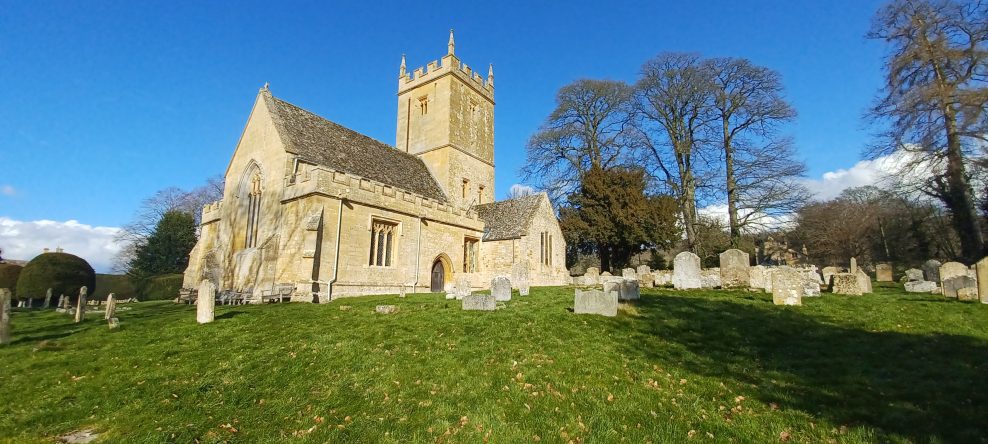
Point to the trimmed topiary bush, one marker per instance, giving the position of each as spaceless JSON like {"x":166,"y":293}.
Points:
{"x":62,"y":272}
{"x":161,"y":288}
{"x":8,"y":276}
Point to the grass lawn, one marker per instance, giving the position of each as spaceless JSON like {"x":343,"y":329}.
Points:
{"x":704,"y":366}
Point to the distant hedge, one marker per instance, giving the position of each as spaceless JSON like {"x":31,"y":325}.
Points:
{"x":158,"y":288}
{"x":121,"y":286}
{"x":64,"y":273}
{"x":8,"y":276}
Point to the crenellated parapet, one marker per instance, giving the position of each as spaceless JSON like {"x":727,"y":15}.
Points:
{"x":211,"y":212}
{"x":450,"y":64}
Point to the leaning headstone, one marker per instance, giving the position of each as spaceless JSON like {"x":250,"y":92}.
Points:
{"x":845,"y":283}
{"x":883,"y":273}
{"x":735,"y":269}
{"x":854,"y":265}
{"x":111,"y":307}
{"x":206,"y":302}
{"x":686,"y":271}
{"x":952,"y":269}
{"x":47,"y":299}
{"x":66,"y":303}
{"x":629,"y":290}
{"x":757,"y":276}
{"x":920,"y":286}
{"x":914,"y":274}
{"x":386,"y":309}
{"x":647,"y":280}
{"x":5,"y":297}
{"x":501,"y":289}
{"x":787,"y":286}
{"x":931,"y":269}
{"x":952,"y":285}
{"x":864,"y":282}
{"x":595,"y":302}
{"x":981,"y":268}
{"x":811,"y":283}
{"x":61,"y":303}
{"x":629,"y":273}
{"x":967,"y":294}
{"x":480,"y":302}
{"x":519,"y":278}
{"x":80,"y":308}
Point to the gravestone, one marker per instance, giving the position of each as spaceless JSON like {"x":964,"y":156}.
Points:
{"x":47,"y":299}
{"x":595,"y":302}
{"x":5,"y":297}
{"x":967,"y":294}
{"x":67,"y":303}
{"x":854,"y":265}
{"x":952,"y":269}
{"x":827,"y":273}
{"x":757,"y":276}
{"x":663,"y":277}
{"x":643,"y":270}
{"x":80,"y":308}
{"x":111,"y":307}
{"x":883,"y":273}
{"x":647,"y":280}
{"x":401,"y":291}
{"x":864,"y":281}
{"x":787,"y":286}
{"x":952,"y":284}
{"x":931,"y":269}
{"x":686,"y":271}
{"x":735,"y":269}
{"x":61,"y":303}
{"x":710,"y":278}
{"x":206,"y":302}
{"x":113,"y":323}
{"x":462,"y":288}
{"x":479,"y":302}
{"x":629,"y":290}
{"x":914,"y":274}
{"x":386,"y":309}
{"x":629,"y":273}
{"x":501,"y":289}
{"x":612,"y":288}
{"x":811,"y":283}
{"x":592,"y":276}
{"x":519,"y":277}
{"x":981,"y":268}
{"x":920,"y":286}
{"x":846,"y":284}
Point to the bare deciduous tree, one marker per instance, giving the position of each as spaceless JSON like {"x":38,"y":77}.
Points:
{"x":935,"y":97}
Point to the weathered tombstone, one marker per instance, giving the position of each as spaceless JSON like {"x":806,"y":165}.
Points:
{"x":612,"y":288}
{"x":920,"y":286}
{"x":605,"y":274}
{"x":386,"y":309}
{"x":47,"y":299}
{"x":592,"y":275}
{"x":931,"y":269}
{"x":80,"y":308}
{"x":480,"y":302}
{"x":462,"y":289}
{"x":981,"y":268}
{"x":61,"y":303}
{"x":5,"y":297}
{"x":845,"y":283}
{"x":501,"y":288}
{"x":914,"y":274}
{"x":629,"y":273}
{"x":952,"y":269}
{"x":854,"y":265}
{"x":967,"y":294}
{"x":663,"y":277}
{"x":519,"y":277}
{"x":401,"y":291}
{"x":710,"y":278}
{"x":828,"y":272}
{"x":787,"y":286}
{"x":111,"y":307}
{"x":883,"y":273}
{"x":686,"y":271}
{"x":647,"y":280}
{"x":757,"y":276}
{"x":864,"y":281}
{"x":595,"y":302}
{"x":952,"y":284}
{"x":629,"y":290}
{"x":206,"y":302}
{"x":113,"y":323}
{"x":66,"y":303}
{"x":643,"y":270}
{"x":811,"y":283}
{"x":735,"y":269}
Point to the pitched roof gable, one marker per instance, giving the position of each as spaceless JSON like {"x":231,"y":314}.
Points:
{"x":317,"y":140}
{"x":509,"y":219}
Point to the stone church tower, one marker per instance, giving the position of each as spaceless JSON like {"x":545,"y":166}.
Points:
{"x":446,"y":118}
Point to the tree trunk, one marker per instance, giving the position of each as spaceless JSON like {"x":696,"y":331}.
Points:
{"x":732,"y":198}
{"x":604,"y":253}
{"x":960,"y":200}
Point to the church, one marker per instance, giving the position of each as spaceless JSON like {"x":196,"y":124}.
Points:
{"x":314,"y":211}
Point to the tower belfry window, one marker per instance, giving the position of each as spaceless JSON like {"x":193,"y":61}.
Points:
{"x":424,"y":104}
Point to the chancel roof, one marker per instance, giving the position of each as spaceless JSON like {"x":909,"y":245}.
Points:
{"x":508,"y":219}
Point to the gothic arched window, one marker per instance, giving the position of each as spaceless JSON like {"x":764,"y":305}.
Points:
{"x":250,"y":189}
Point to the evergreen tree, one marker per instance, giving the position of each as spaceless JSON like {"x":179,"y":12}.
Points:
{"x":166,"y":250}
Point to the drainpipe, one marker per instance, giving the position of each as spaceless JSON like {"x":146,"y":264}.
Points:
{"x":336,"y":257}
{"x":418,"y":258}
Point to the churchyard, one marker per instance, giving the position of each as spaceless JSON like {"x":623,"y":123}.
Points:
{"x":672,"y":366}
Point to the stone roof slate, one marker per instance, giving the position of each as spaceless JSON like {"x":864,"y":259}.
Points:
{"x":508,"y":219}
{"x":321,"y":142}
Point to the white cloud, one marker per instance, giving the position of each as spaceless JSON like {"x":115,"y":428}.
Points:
{"x":865,"y":172}
{"x":7,"y":190}
{"x":518,"y":190}
{"x":23,"y":240}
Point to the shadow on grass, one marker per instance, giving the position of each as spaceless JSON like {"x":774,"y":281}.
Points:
{"x":229,"y":314}
{"x":920,"y":387}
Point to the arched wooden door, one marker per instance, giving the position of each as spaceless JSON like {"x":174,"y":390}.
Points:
{"x":438,"y":276}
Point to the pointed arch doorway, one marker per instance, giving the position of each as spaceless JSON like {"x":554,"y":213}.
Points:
{"x":438,"y":276}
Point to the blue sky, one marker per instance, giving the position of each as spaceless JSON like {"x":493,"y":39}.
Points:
{"x":103,"y":103}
